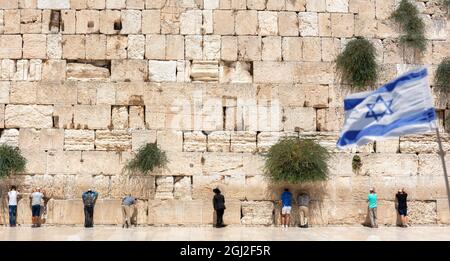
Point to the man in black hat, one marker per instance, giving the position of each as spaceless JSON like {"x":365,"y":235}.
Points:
{"x":219,"y":207}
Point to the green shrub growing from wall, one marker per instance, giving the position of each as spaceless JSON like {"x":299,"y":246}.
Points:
{"x":297,"y":160}
{"x":11,"y":161}
{"x":412,"y":25}
{"x":442,"y":77}
{"x":357,"y":64}
{"x":147,"y":158}
{"x":356,"y":163}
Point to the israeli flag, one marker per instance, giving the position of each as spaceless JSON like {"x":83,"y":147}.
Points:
{"x":402,"y":106}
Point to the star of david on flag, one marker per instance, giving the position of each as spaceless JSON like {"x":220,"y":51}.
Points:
{"x":401,"y":107}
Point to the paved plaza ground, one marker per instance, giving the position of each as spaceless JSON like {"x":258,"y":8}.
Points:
{"x":230,"y":233}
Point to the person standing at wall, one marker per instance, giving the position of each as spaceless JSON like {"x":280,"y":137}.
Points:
{"x":219,"y":207}
{"x":402,"y":206}
{"x":372,"y":199}
{"x":89,"y":198}
{"x":286,"y":207}
{"x":303,"y":208}
{"x":12,"y":205}
{"x":36,"y":201}
{"x":128,"y":208}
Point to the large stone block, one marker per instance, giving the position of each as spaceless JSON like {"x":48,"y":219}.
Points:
{"x":53,"y":4}
{"x":129,"y":70}
{"x":10,"y":137}
{"x":54,"y":70}
{"x":231,"y":186}
{"x":246,"y":22}
{"x":79,"y":140}
{"x":249,"y":48}
{"x":96,"y":47}
{"x":243,"y":141}
{"x":109,"y":21}
{"x":257,"y":213}
{"x":151,"y":22}
{"x":330,"y":119}
{"x":309,"y":24}
{"x":55,"y":93}
{"x":23,"y":92}
{"x":88,"y":21}
{"x":131,"y":21}
{"x":162,"y":71}
{"x":194,"y":141}
{"x":268,"y":23}
{"x":64,"y":162}
{"x":426,"y":143}
{"x":5,"y":87}
{"x":288,"y":24}
{"x":11,"y":46}
{"x":219,"y":141}
{"x":28,"y":116}
{"x":116,"y":47}
{"x":31,"y":21}
{"x":222,"y":163}
{"x":299,"y":118}
{"x":399,"y":164}
{"x":273,"y":72}
{"x":183,"y":164}
{"x":182,"y":188}
{"x":271,"y":48}
{"x":155,"y":46}
{"x":74,"y":46}
{"x":223,"y":22}
{"x":92,"y":117}
{"x":115,"y":140}
{"x":112,"y":162}
{"x":11,"y":20}
{"x":191,"y":22}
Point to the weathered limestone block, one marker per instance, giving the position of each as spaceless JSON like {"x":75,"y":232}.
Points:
{"x":222,"y":163}
{"x":119,"y":140}
{"x":74,"y":46}
{"x":337,"y":6}
{"x":43,"y":140}
{"x":219,"y":141}
{"x":235,"y":72}
{"x":387,"y":146}
{"x":343,"y":25}
{"x":53,"y":4}
{"x":151,"y":22}
{"x":249,"y":48}
{"x":273,"y":72}
{"x":88,"y":22}
{"x":183,"y":164}
{"x":311,"y":49}
{"x":422,"y":212}
{"x":296,"y":5}
{"x":112,"y":162}
{"x":64,"y":162}
{"x":116,"y":47}
{"x":5,"y":87}
{"x":9,"y":4}
{"x":308,"y":24}
{"x":229,"y":48}
{"x":119,"y":117}
{"x":182,"y":188}
{"x":299,"y":118}
{"x":316,"y":96}
{"x":246,"y":22}
{"x":140,"y":138}
{"x":193,"y":50}
{"x":28,"y":116}
{"x":232,"y":186}
{"x":79,"y":140}
{"x":243,"y":141}
{"x":330,"y":119}
{"x":95,"y":4}
{"x":11,"y":21}
{"x":136,"y":118}
{"x":194,"y":141}
{"x":108,"y":212}
{"x":211,"y":47}
{"x":162,"y":71}
{"x":11,"y":46}
{"x":129,"y":70}
{"x":288,"y":24}
{"x":30,"y":21}
{"x":257,"y":187}
{"x":223,"y":22}
{"x":266,"y":139}
{"x":139,"y":186}
{"x":67,"y":212}
{"x":92,"y":117}
{"x":23,"y":92}
{"x":10,"y":137}
{"x":204,"y":71}
{"x":106,"y":93}
{"x":207,"y":25}
{"x":400,"y":164}
{"x":292,"y":48}
{"x":430,"y":165}
{"x":271,"y":48}
{"x":426,"y":143}
{"x":131,"y":21}
{"x":109,"y":22}
{"x":324,"y":24}
{"x":96,"y":47}
{"x":174,"y":47}
{"x":79,"y":71}
{"x":268,"y":23}
{"x":130,"y":93}
{"x":170,"y":140}
{"x":155,"y":47}
{"x":314,"y":72}
{"x":69,"y":21}
{"x":165,"y":211}
{"x":164,"y":187}
{"x":191,"y":22}
{"x":257,"y":213}
{"x":442,"y":210}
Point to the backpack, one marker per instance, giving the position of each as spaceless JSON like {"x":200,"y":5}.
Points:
{"x":89,"y":199}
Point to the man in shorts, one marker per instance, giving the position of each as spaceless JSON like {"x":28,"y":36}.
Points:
{"x":286,"y":206}
{"x":36,"y":201}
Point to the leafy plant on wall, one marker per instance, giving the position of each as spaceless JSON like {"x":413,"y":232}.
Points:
{"x":147,"y":158}
{"x":442,"y":76}
{"x":11,"y":161}
{"x":357,"y":63}
{"x":297,"y":160}
{"x":407,"y":15}
{"x":356,"y":164}
{"x":446,"y":3}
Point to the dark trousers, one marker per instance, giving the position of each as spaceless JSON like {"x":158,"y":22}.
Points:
{"x":88,"y":216}
{"x":219,"y":213}
{"x":12,"y":215}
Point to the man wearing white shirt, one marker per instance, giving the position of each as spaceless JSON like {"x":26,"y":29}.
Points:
{"x":12,"y":204}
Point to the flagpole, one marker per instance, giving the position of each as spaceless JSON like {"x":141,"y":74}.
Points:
{"x":441,"y":153}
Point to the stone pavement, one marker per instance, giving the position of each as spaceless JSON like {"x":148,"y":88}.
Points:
{"x":230,"y":233}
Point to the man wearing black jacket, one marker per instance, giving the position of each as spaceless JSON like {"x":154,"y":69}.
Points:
{"x":219,"y":207}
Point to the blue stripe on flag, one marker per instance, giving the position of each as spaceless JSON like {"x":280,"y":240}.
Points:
{"x":389,"y":87}
{"x":352,"y":137}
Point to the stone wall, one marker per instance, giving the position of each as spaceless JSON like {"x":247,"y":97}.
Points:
{"x":85,"y":83}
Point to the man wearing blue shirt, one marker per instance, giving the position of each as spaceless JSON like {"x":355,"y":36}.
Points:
{"x":89,"y":198}
{"x":286,"y":206}
{"x":372,"y":199}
